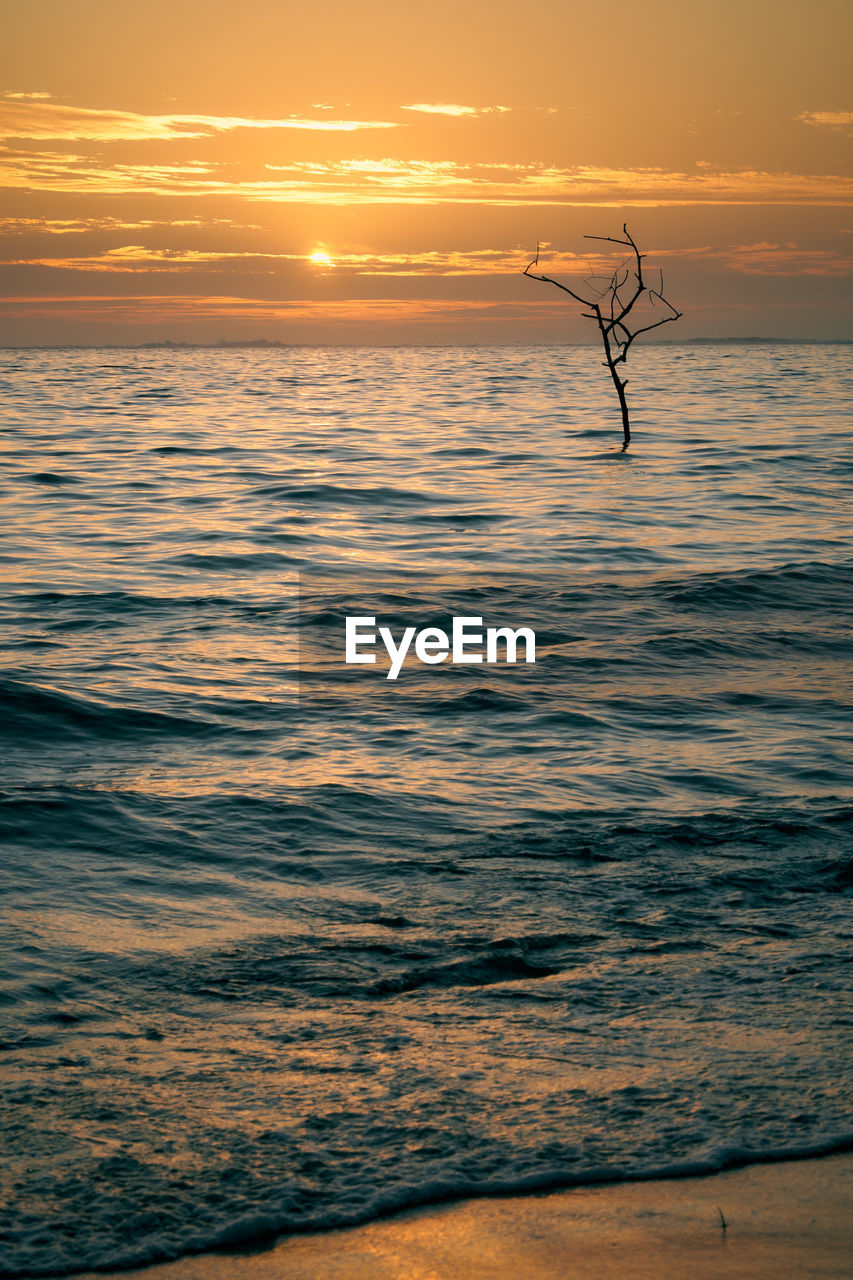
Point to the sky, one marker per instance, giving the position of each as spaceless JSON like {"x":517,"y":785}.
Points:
{"x":357,"y":172}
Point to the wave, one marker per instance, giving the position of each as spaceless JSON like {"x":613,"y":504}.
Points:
{"x":800,"y":587}
{"x":173,"y":1228}
{"x":552,"y":592}
{"x":39,"y":713}
{"x":336,"y":495}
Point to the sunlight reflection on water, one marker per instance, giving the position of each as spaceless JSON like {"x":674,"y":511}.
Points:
{"x":290,"y":944}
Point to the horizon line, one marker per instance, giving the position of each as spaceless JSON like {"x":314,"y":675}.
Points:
{"x":278,"y":343}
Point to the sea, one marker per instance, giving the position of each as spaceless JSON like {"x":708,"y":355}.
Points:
{"x":288,"y":944}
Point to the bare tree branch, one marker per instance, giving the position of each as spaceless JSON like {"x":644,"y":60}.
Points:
{"x":616,"y":336}
{"x":556,"y":283}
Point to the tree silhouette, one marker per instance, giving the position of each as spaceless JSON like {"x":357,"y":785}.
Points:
{"x":610,"y":309}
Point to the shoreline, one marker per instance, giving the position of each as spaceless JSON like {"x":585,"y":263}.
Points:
{"x":788,"y":1218}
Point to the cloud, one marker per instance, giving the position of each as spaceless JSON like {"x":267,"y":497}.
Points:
{"x":432,"y":262}
{"x":762,"y":258}
{"x":66,"y":226}
{"x":767,"y":259}
{"x":134,"y":258}
{"x":29,"y":116}
{"x":386,"y":174}
{"x":452,"y":109}
{"x":754,"y":259}
{"x":392,"y":181}
{"x":441,"y":182}
{"x":80,"y":174}
{"x":459,"y":262}
{"x":159,"y":309}
{"x":80,"y":226}
{"x":827,"y":119}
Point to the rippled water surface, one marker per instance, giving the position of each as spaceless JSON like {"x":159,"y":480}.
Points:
{"x":288,"y":943}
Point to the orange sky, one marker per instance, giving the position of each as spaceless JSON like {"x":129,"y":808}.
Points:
{"x":351,"y":172}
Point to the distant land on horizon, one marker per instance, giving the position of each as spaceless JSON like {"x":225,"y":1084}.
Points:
{"x":169,"y":344}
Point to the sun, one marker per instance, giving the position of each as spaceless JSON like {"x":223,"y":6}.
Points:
{"x":320,"y":258}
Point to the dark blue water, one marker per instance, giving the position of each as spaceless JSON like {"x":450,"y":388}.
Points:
{"x":286,"y":943}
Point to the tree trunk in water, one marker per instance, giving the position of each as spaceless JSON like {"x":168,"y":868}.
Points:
{"x":623,"y":404}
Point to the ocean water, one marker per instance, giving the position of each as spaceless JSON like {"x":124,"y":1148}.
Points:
{"x":288,"y":944}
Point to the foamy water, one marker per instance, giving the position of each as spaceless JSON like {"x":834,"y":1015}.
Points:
{"x":289,"y":944}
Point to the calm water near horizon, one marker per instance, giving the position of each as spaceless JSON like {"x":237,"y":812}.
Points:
{"x":287,"y":944}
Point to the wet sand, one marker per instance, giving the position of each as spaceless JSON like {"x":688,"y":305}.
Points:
{"x":789,"y":1220}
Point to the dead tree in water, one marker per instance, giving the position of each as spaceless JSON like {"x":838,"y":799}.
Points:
{"x":610,"y":309}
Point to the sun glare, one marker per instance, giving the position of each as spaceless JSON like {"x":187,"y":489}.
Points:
{"x":320,"y":257}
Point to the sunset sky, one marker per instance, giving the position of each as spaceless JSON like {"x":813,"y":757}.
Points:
{"x":357,"y":172}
